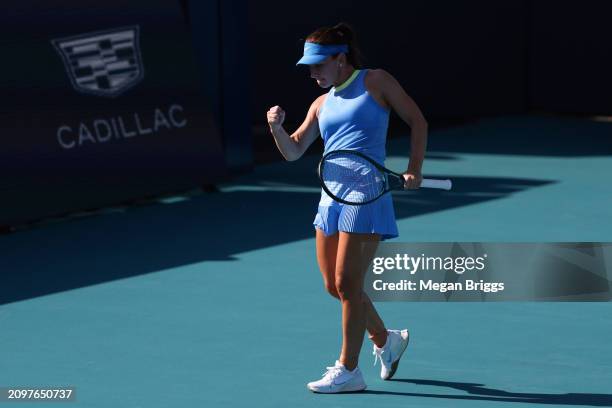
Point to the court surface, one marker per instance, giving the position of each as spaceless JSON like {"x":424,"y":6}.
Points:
{"x":215,"y":299}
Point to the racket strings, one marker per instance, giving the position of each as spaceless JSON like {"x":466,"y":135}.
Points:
{"x":352,"y":178}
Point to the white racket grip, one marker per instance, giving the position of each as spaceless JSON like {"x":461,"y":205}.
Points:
{"x":433,"y":183}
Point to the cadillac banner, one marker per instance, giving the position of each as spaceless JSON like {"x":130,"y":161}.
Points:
{"x":102,"y":103}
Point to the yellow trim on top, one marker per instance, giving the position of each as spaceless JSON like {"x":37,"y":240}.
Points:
{"x":348,"y":81}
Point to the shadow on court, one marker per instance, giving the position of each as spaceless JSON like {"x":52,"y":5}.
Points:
{"x":480,"y":393}
{"x":260,"y":213}
{"x":273,"y":205}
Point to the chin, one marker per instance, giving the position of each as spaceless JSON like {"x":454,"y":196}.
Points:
{"x":323,"y":84}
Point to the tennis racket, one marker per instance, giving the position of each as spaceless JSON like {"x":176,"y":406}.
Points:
{"x":351,"y":177}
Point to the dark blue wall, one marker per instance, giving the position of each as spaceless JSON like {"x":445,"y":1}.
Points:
{"x":219,"y":30}
{"x":456,"y":59}
{"x":571,"y":57}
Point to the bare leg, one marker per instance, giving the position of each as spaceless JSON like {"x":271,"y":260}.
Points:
{"x":351,"y":265}
{"x":377,"y":332}
{"x":327,"y":249}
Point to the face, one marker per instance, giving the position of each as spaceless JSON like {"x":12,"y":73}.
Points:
{"x":326,"y":72}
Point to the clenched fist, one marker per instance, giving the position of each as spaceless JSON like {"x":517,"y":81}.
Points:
{"x":276,"y":117}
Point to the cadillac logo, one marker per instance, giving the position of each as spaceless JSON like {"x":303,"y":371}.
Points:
{"x":104,"y":63}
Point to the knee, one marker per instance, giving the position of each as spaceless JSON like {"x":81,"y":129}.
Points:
{"x":330,"y":287}
{"x":348,"y":289}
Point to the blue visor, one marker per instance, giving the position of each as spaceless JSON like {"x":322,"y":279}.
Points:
{"x":316,"y":53}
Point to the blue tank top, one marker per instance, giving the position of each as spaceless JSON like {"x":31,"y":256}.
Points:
{"x":351,"y":119}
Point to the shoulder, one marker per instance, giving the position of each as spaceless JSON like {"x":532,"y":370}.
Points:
{"x":378,"y":79}
{"x":316,"y":105}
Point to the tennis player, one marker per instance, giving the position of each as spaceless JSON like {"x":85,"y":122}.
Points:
{"x":353,"y":115}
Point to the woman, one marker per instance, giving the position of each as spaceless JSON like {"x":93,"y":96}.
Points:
{"x":354,"y":114}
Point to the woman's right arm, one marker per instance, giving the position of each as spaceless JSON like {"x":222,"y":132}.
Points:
{"x":293,"y":147}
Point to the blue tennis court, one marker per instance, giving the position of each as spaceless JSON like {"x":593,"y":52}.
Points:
{"x":215,"y":299}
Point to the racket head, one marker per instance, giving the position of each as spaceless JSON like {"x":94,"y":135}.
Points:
{"x":350,"y":177}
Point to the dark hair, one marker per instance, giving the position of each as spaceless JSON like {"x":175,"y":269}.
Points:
{"x":341,"y":33}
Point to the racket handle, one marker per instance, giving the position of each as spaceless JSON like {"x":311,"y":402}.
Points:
{"x":433,"y":183}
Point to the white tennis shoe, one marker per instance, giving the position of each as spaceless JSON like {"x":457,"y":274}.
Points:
{"x":390,"y":354}
{"x":338,"y":379}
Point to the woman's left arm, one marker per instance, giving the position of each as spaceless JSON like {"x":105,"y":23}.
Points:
{"x":395,"y":96}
